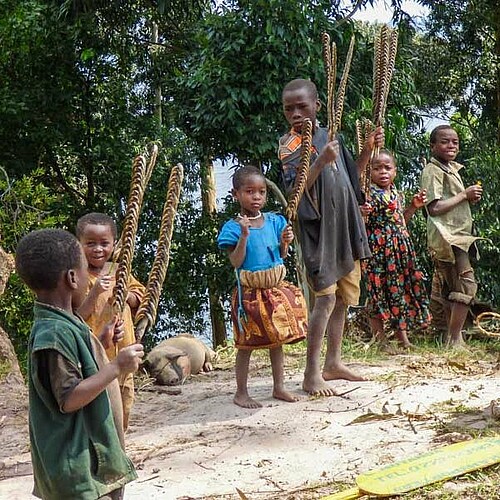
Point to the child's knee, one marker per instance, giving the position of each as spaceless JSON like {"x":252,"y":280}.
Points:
{"x":467,"y":288}
{"x":325,"y":302}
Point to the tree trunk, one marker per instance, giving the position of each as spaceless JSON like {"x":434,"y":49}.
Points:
{"x":157,"y":89}
{"x":208,"y":200}
{"x":9,"y":365}
{"x":496,"y":26}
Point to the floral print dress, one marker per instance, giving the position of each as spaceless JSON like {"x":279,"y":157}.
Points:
{"x":395,"y":287}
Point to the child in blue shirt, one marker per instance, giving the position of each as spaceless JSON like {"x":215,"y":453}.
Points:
{"x":267,"y":311}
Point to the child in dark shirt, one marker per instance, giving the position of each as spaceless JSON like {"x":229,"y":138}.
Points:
{"x":331,"y":228}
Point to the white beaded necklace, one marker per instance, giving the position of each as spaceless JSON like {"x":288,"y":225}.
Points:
{"x":258,"y":216}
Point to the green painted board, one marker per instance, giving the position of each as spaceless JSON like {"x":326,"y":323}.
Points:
{"x":436,"y":465}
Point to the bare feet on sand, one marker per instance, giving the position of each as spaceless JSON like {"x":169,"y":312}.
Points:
{"x":316,"y":386}
{"x":246,"y":401}
{"x":341,"y":372}
{"x":285,"y":396}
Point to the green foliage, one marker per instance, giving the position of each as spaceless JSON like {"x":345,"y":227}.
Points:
{"x":230,"y":89}
{"x":26,"y":204}
{"x":458,"y":59}
{"x":78,"y":100}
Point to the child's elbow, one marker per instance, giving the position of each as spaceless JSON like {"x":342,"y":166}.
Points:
{"x":433,"y":208}
{"x":69,"y":407}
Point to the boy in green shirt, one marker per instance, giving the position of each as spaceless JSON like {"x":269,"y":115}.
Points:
{"x":76,"y":440}
{"x":449,"y":227}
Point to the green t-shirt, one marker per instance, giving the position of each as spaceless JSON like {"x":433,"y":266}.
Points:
{"x":75,"y":455}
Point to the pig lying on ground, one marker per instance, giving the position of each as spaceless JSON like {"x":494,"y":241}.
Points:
{"x":175,"y":358}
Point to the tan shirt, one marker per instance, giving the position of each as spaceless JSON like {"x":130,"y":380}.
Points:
{"x":453,"y":228}
{"x":103,"y":313}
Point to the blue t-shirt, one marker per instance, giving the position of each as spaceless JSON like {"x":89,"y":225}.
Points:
{"x":263,"y":243}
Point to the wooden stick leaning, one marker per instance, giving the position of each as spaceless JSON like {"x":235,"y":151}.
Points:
{"x":146,"y":314}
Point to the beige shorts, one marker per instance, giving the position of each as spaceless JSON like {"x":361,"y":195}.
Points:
{"x":347,"y":287}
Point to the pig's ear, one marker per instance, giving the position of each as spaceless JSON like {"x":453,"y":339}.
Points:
{"x":174,"y":356}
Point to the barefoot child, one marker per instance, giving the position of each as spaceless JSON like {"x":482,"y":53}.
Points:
{"x":266,"y":310}
{"x":97,"y":234}
{"x":71,"y":396}
{"x":449,"y":227}
{"x":396,"y":292}
{"x":332,"y":231}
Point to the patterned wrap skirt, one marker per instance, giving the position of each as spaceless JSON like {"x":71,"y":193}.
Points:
{"x":271,"y":311}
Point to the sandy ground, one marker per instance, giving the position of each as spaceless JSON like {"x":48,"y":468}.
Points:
{"x":199,"y":445}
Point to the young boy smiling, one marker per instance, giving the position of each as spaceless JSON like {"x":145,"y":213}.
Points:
{"x":97,"y":233}
{"x":449,"y":227}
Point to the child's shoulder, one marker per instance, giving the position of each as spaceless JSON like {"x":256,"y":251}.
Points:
{"x":231,"y":224}
{"x":273,"y":216}
{"x":58,"y":332}
{"x":275,"y":219}
{"x":229,"y":234}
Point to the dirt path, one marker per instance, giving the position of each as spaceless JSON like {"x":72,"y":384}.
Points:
{"x":199,"y":445}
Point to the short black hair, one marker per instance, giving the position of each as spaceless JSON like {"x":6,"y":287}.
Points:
{"x":388,"y":152}
{"x":96,"y":219}
{"x":243,"y":173}
{"x":301,"y":83}
{"x":43,"y":255}
{"x":436,"y":130}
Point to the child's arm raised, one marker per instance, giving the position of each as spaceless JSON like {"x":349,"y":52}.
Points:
{"x":112,"y":333}
{"x":327,"y":156}
{"x":375,"y":139}
{"x":418,"y":201}
{"x":133,"y":300}
{"x":439,"y":207}
{"x":102,"y":284}
{"x":238,"y":253}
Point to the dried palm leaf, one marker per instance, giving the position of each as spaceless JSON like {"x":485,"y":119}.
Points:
{"x":152,"y":157}
{"x":137,"y":187}
{"x":302,"y":171}
{"x":339,"y":106}
{"x":146,"y":314}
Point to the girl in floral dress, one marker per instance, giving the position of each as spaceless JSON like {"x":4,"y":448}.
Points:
{"x":396,"y":292}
